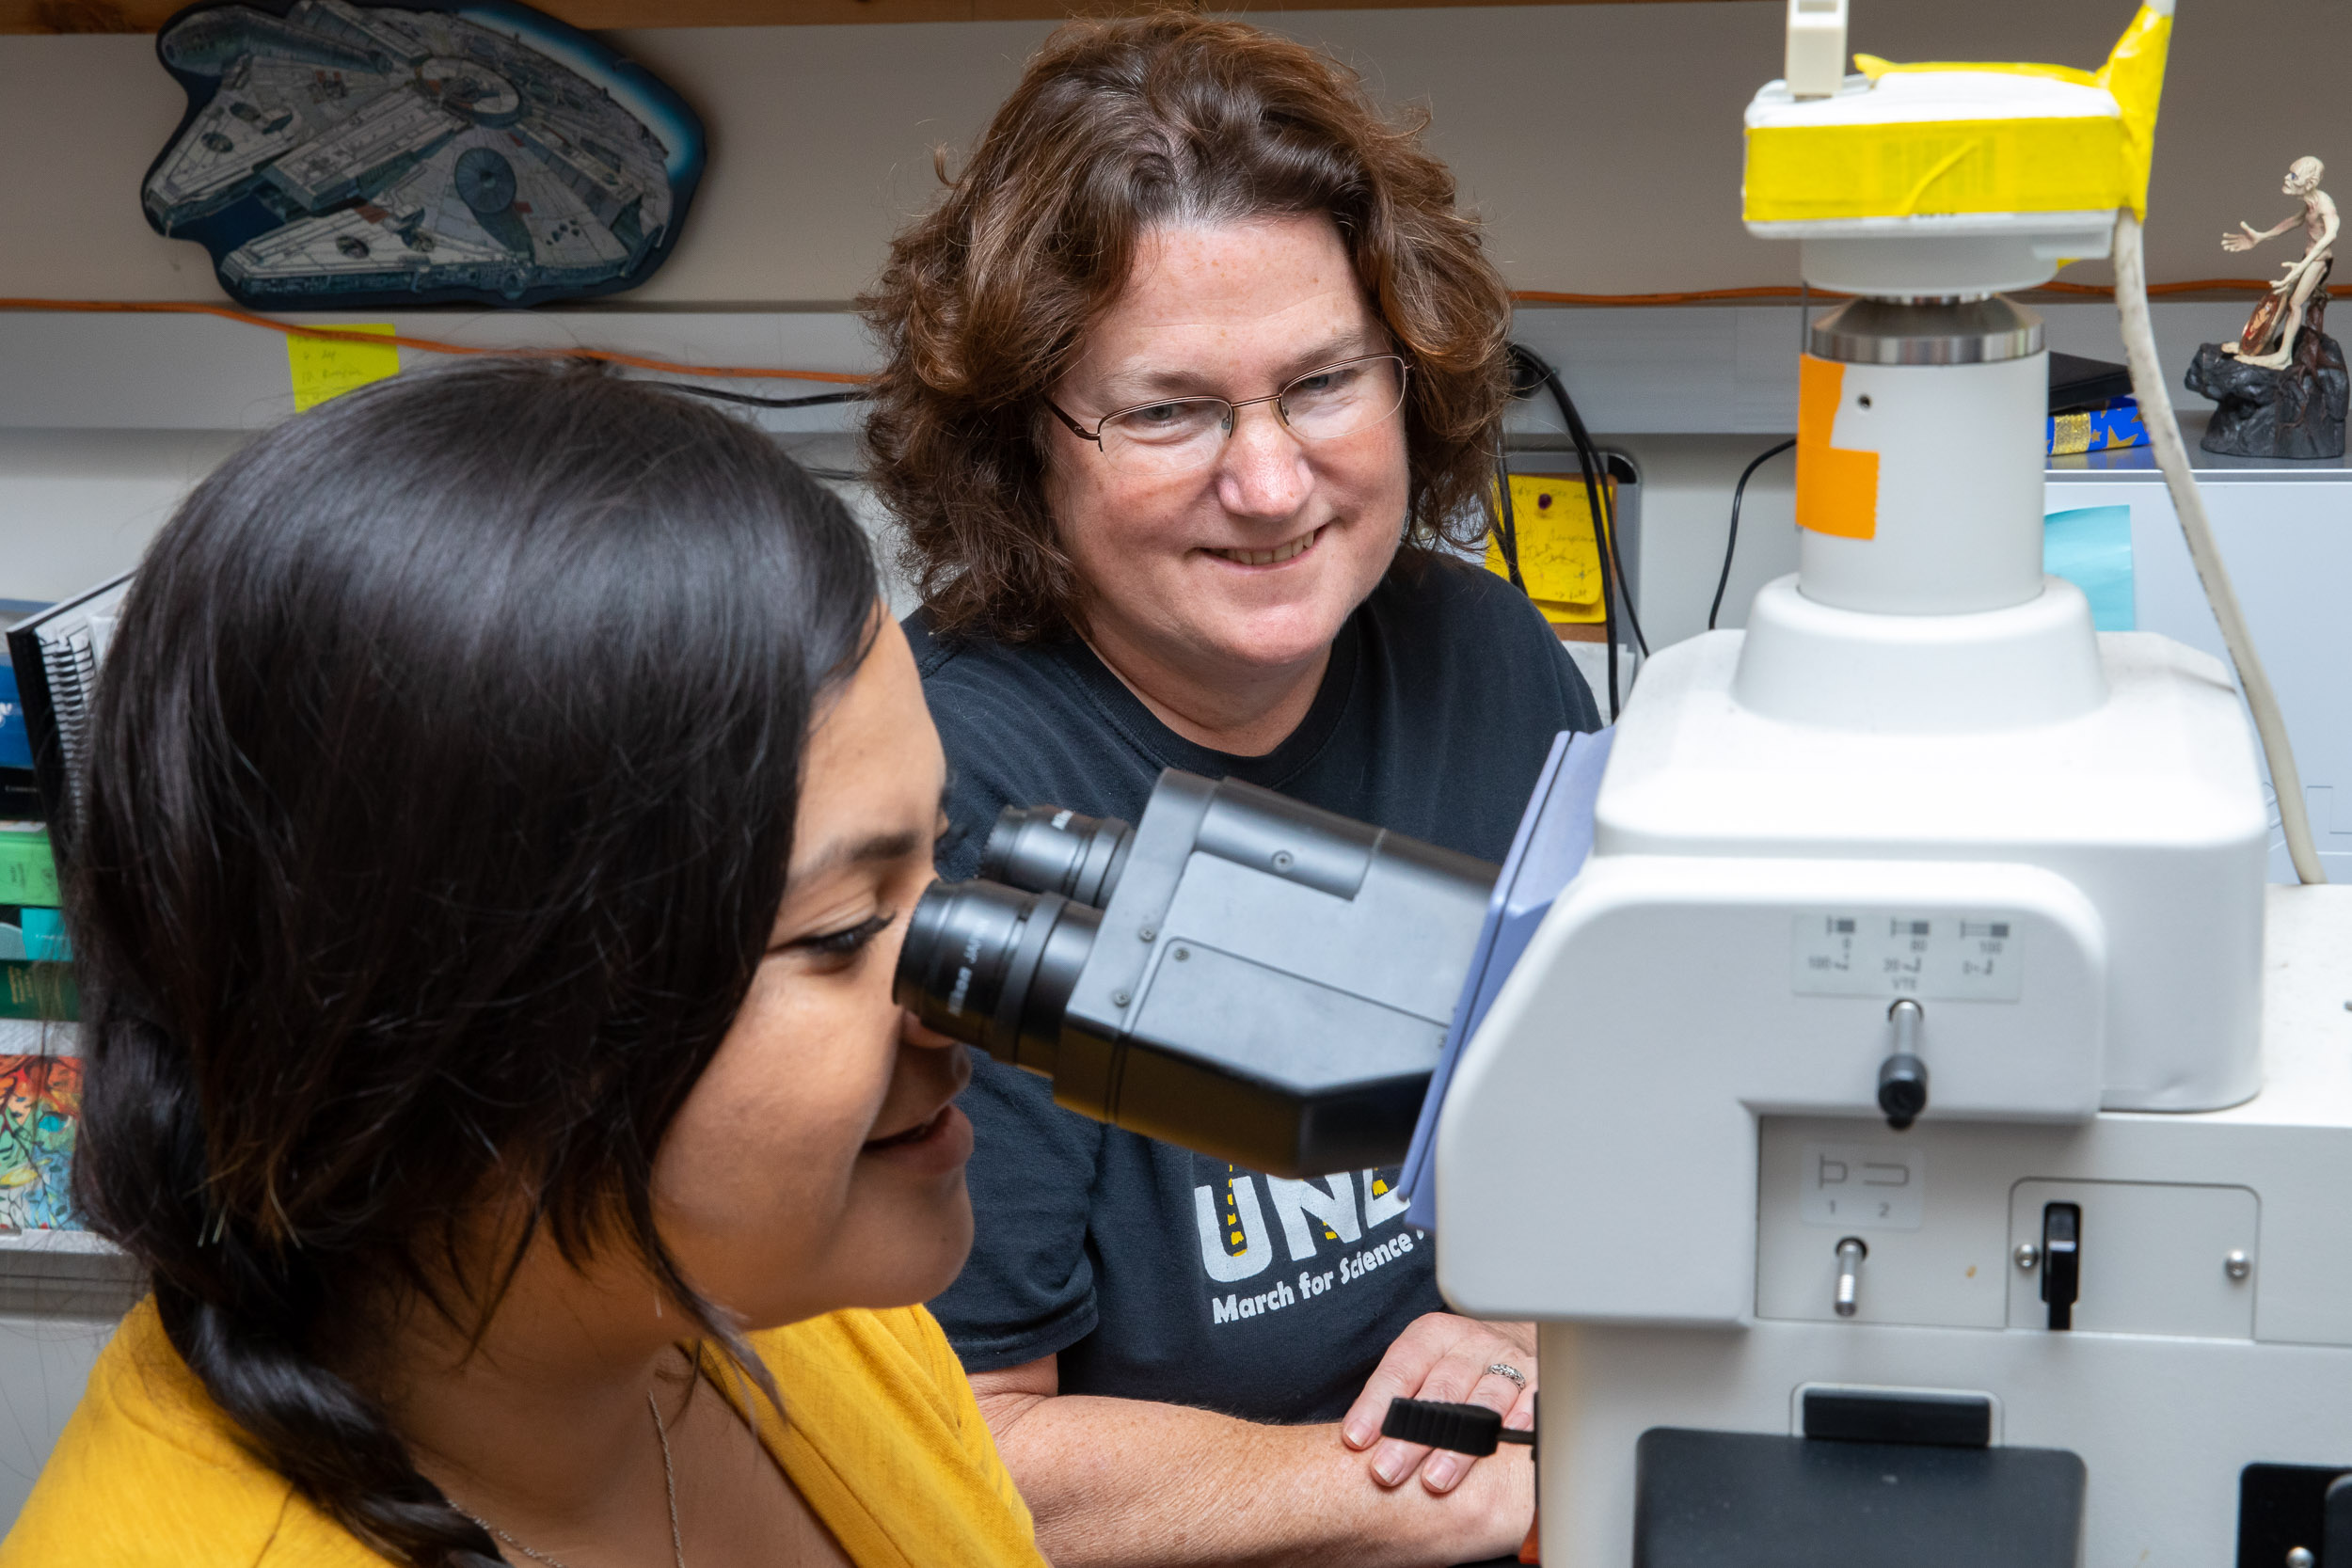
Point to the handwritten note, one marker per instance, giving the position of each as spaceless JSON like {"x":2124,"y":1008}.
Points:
{"x":329,"y":367}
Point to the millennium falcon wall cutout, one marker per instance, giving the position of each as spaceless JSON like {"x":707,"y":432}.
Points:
{"x":337,"y":154}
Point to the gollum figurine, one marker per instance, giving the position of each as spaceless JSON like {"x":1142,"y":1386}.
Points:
{"x":2282,"y":309}
{"x":2281,"y":391}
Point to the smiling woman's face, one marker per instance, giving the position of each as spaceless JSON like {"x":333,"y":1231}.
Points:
{"x":1255,"y":560}
{"x":818,"y":1162}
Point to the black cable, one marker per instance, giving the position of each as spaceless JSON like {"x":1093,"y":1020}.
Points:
{"x":1537,"y":371}
{"x":1506,"y":518}
{"x":1600,"y":497}
{"x":1526,"y":376}
{"x":754,"y":401}
{"x":1589,"y":460}
{"x":1507,"y":539}
{"x":1731,"y":541}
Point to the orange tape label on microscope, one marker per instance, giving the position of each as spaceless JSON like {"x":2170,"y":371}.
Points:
{"x":1837,"y":489}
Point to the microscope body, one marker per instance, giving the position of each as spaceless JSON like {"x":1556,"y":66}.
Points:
{"x":1920,"y":826}
{"x":1667,"y":1124}
{"x":1884,"y":1073}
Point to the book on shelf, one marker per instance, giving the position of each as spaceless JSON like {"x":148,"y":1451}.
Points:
{"x":40,"y":1112}
{"x":35,"y":932}
{"x":2107,"y":426}
{"x":2091,"y":406}
{"x":20,"y":788}
{"x":28,"y":871}
{"x":30,"y":989}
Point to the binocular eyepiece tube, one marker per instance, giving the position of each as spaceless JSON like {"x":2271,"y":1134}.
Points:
{"x":1239,"y":974}
{"x":1047,"y":849}
{"x":994,"y":966}
{"x":992,"y":961}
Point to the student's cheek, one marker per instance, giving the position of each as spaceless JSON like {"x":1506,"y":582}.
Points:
{"x":824,"y":1077}
{"x":760,"y":1153}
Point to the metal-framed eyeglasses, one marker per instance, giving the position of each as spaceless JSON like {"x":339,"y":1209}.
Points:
{"x":1173,"y":434}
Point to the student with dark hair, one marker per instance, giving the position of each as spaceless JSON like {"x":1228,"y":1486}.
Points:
{"x":1194,"y":381}
{"x":503,"y":805}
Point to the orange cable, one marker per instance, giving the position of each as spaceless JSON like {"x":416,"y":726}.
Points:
{"x":2157,"y":291}
{"x":428,"y":346}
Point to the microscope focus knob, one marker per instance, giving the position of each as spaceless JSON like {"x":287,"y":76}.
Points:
{"x":1904,"y":1077}
{"x":1902,"y":1090}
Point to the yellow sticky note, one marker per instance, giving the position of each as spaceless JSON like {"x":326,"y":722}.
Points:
{"x":1559,"y":558}
{"x":329,"y":367}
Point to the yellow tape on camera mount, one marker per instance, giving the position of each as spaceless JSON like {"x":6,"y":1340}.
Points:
{"x":2023,"y":150}
{"x":1827,"y":172}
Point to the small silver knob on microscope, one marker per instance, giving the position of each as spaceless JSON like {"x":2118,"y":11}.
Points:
{"x":1850,"y":1252}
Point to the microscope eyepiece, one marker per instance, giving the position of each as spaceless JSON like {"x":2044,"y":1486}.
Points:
{"x":992,"y":966}
{"x":1240,"y":974}
{"x":1047,"y":849}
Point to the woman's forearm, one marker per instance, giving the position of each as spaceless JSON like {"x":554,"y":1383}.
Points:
{"x":1130,"y":1483}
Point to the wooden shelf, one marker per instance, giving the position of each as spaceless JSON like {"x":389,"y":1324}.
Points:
{"x":145,"y":16}
{"x":56,"y":1242}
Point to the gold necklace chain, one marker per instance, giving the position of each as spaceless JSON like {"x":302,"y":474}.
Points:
{"x":669,"y":1484}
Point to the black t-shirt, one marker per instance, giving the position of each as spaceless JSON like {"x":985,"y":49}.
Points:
{"x":1154,"y":1273}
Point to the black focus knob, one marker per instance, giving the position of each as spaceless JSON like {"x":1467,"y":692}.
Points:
{"x":1904,"y":1077}
{"x":1902,"y":1089}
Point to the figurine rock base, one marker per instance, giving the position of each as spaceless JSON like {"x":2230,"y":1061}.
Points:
{"x":2296,"y":411}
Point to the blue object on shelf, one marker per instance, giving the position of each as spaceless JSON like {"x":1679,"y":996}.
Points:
{"x":44,"y":935}
{"x":2098,"y":427}
{"x":2090,"y":547}
{"x":16,"y":742}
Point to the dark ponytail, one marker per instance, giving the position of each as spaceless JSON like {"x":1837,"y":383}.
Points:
{"x":439,"y":795}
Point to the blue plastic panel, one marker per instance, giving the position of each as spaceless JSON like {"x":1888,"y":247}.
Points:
{"x":1553,"y":838}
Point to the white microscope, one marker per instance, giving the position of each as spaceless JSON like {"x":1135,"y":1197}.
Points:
{"x":1880,"y":1066}
{"x":1919,"y":1133}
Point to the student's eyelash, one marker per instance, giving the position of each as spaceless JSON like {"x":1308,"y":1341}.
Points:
{"x":848,"y":941}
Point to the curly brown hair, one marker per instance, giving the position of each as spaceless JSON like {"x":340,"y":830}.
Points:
{"x":1116,"y":127}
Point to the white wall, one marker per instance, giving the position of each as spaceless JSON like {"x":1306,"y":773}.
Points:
{"x":1600,"y":141}
{"x":104,"y":419}
{"x":77,"y":507}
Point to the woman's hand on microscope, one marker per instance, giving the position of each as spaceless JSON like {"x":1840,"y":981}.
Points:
{"x":1449,"y":1358}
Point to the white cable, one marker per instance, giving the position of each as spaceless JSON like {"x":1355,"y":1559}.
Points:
{"x":2164,"y":433}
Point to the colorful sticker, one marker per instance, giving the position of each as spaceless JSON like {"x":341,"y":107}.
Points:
{"x":39,"y":1112}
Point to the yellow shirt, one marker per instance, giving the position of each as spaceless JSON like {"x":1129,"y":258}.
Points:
{"x":884,"y":1442}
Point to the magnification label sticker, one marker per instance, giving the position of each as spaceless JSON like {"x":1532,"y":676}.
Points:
{"x":1954,"y":957}
{"x":1863,"y":1186}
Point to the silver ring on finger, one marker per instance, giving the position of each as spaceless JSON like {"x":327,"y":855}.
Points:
{"x":1504,"y":1369}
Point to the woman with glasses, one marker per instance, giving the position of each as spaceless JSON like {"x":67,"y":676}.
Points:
{"x":1194,"y":381}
